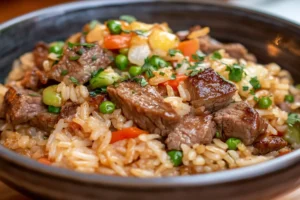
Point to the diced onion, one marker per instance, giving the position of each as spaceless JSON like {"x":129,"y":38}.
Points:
{"x":138,"y":54}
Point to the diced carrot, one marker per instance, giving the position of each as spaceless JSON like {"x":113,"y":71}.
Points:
{"x":174,"y":83}
{"x":126,"y":133}
{"x":189,"y":47}
{"x":117,"y":41}
{"x":74,"y":127}
{"x":44,"y":160}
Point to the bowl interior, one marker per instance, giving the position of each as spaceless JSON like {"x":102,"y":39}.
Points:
{"x":269,"y":38}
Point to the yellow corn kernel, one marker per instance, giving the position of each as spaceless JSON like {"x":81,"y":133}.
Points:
{"x":161,"y":40}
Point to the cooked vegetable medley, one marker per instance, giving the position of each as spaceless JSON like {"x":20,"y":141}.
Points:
{"x":127,"y":98}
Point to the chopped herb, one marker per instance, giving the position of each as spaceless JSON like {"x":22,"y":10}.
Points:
{"x":88,"y":45}
{"x":173,"y":76}
{"x":293,"y":118}
{"x":148,"y":69}
{"x":45,"y":137}
{"x":252,"y":92}
{"x":199,"y":56}
{"x":289,"y":98}
{"x":111,"y":58}
{"x":74,"y":58}
{"x":245,"y":88}
{"x":95,"y":73}
{"x":141,"y":32}
{"x":64,"y":72}
{"x":33,"y":94}
{"x":54,"y":63}
{"x":255,"y":98}
{"x":235,"y":72}
{"x":255,"y":83}
{"x":93,"y":24}
{"x":162,"y":73}
{"x":141,"y":80}
{"x":101,"y":90}
{"x":94,"y":57}
{"x":128,"y":18}
{"x":178,"y":65}
{"x":216,"y":56}
{"x":218,"y":134}
{"x":195,"y":70}
{"x":80,"y":51}
{"x":172,"y":52}
{"x":133,"y":92}
{"x":74,"y":80}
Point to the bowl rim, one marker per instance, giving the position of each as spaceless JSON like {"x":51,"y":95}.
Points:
{"x":220,"y":177}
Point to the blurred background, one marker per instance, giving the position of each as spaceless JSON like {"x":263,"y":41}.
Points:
{"x":284,"y":8}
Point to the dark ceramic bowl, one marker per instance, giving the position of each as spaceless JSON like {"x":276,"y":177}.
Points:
{"x":271,"y":39}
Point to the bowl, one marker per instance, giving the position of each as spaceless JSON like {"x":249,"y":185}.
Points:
{"x":271,"y":39}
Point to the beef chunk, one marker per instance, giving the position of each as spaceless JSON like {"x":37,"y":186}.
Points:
{"x":40,"y":54}
{"x":235,"y":50}
{"x":192,"y":130}
{"x":241,"y":121}
{"x":80,"y":66}
{"x":68,"y":109}
{"x":44,"y":120}
{"x":210,"y":90}
{"x":33,"y":79}
{"x":145,"y":106}
{"x":22,"y":105}
{"x":265,"y":144}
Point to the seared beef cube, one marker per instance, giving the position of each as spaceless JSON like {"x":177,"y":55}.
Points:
{"x":192,"y":130}
{"x":33,"y":79}
{"x":266,"y":144}
{"x":210,"y":90}
{"x":79,"y":66}
{"x":235,"y":50}
{"x":241,"y":121}
{"x":22,"y":105}
{"x":68,"y":110}
{"x":45,"y":121}
{"x":145,"y":106}
{"x":40,"y":54}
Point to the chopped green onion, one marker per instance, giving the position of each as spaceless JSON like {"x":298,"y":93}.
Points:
{"x":176,"y":157}
{"x":128,"y":18}
{"x":289,"y":98}
{"x":216,"y":56}
{"x":199,"y":56}
{"x":93,"y":24}
{"x":142,"y":81}
{"x":73,"y":58}
{"x":235,"y":72}
{"x":255,"y":83}
{"x":64,"y":72}
{"x":245,"y":88}
{"x":173,"y":76}
{"x":57,"y":47}
{"x":293,"y":118}
{"x":172,"y":52}
{"x":53,"y":109}
{"x":74,"y":80}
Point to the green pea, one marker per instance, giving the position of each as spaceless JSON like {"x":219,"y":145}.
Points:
{"x":158,"y":62}
{"x":104,"y":79}
{"x":232,"y":143}
{"x":107,"y":107}
{"x":264,"y":102}
{"x":124,"y":51}
{"x":135,"y":70}
{"x":51,"y":97}
{"x":289,"y":98}
{"x":121,"y":61}
{"x":176,"y":157}
{"x":114,"y":26}
{"x":53,"y":109}
{"x":57,"y":47}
